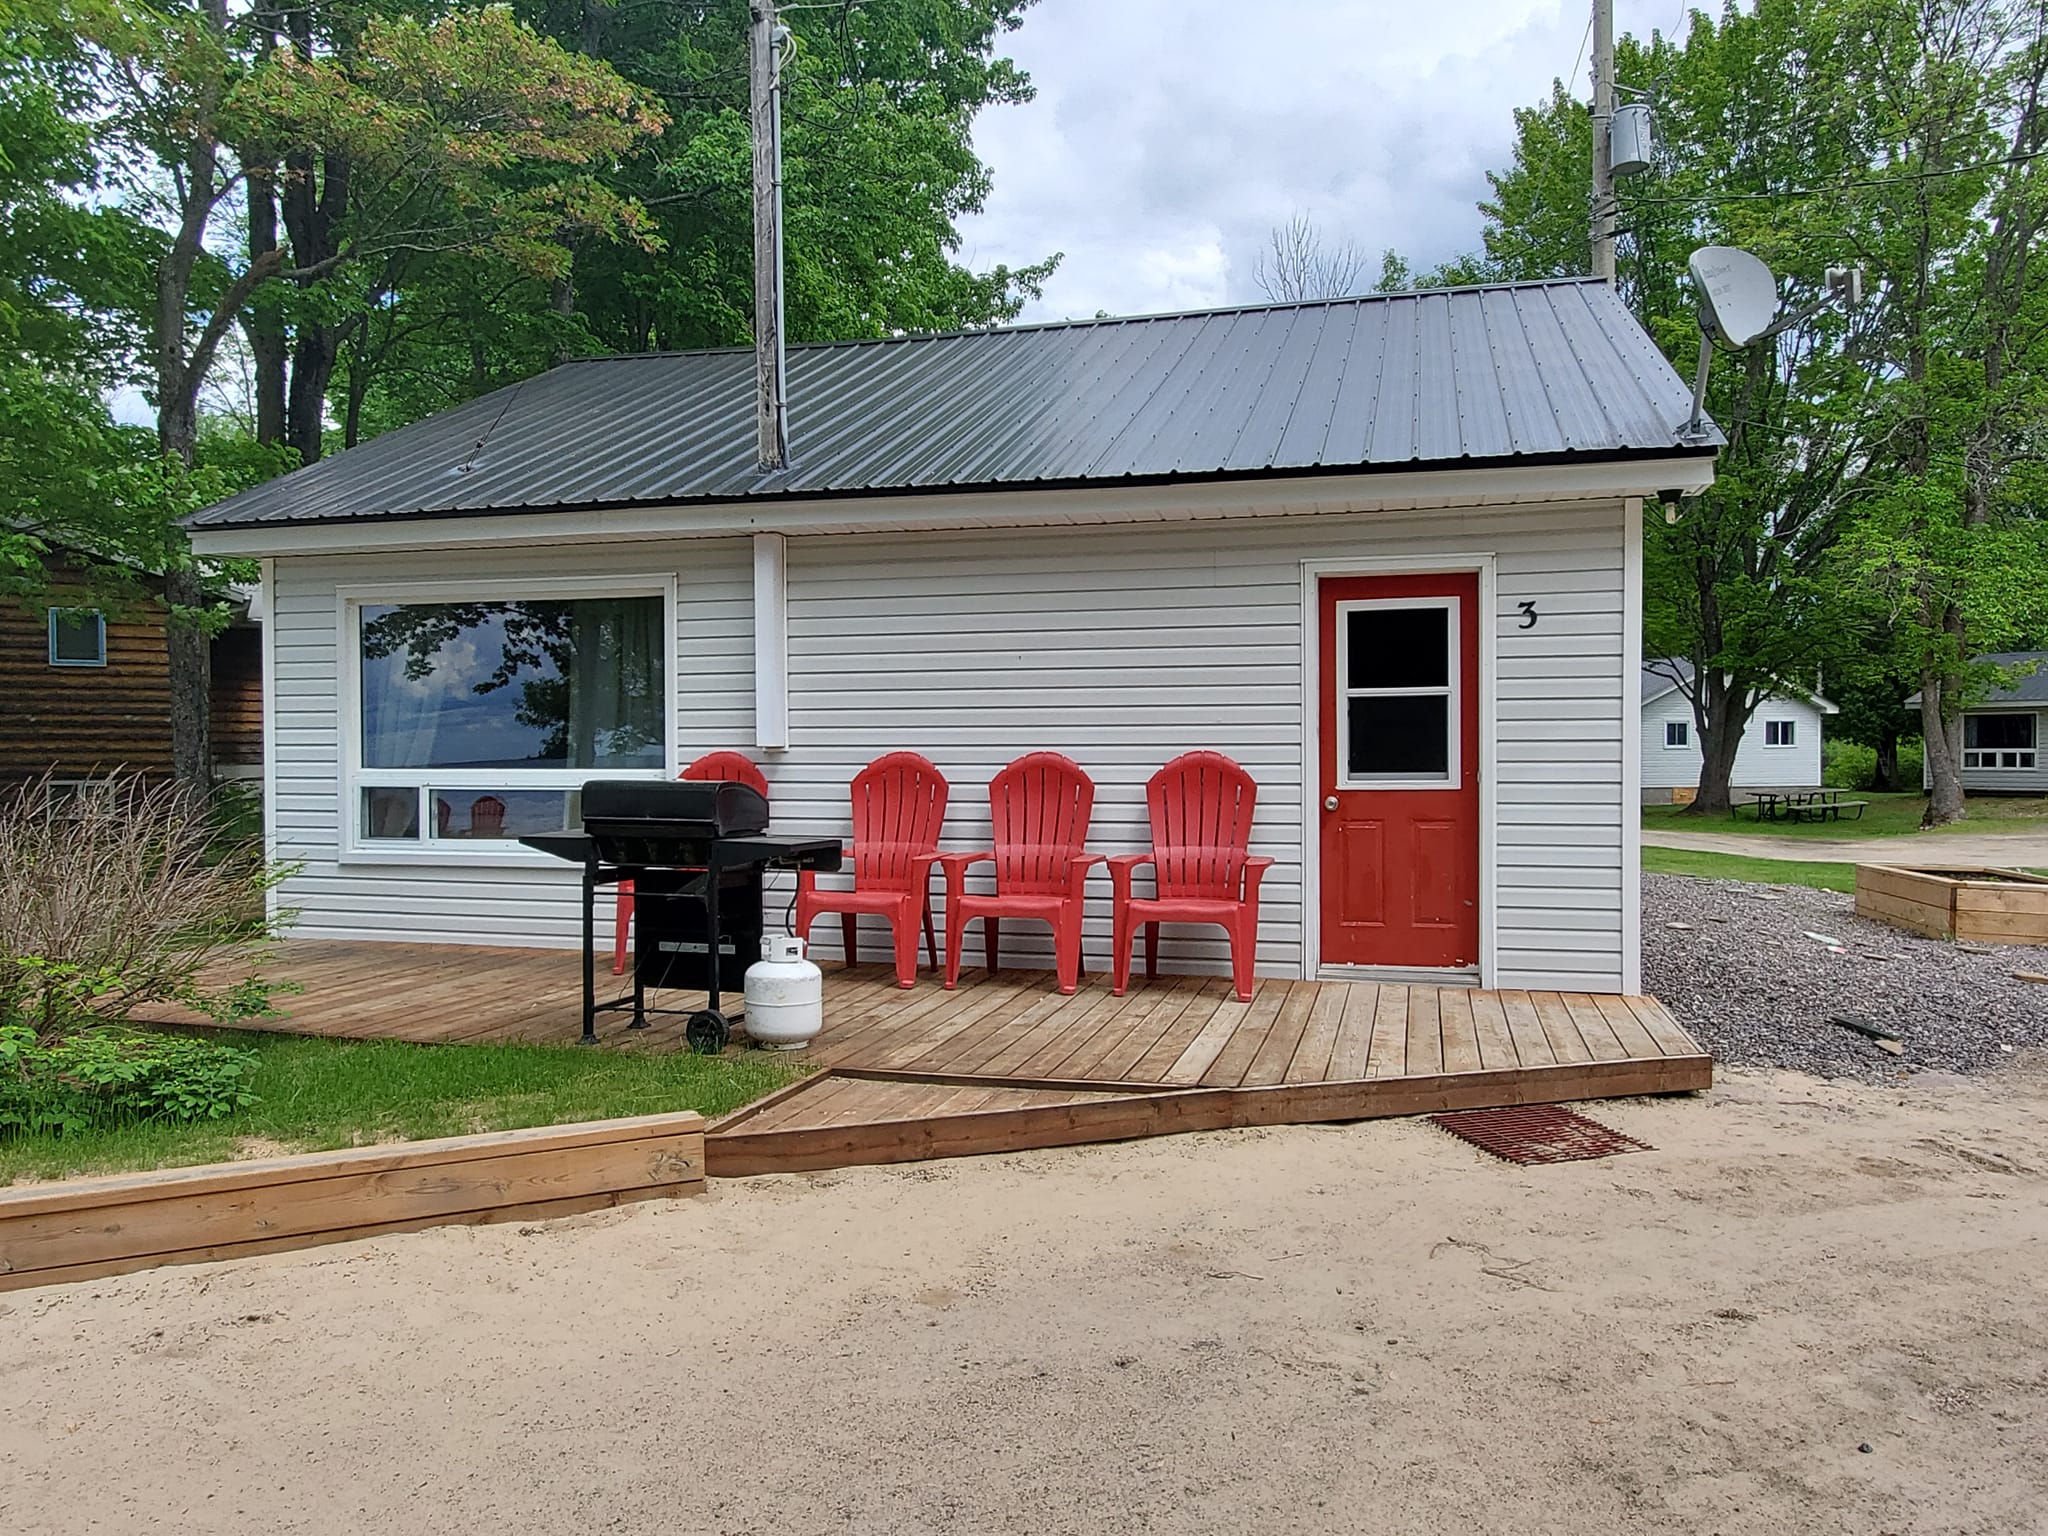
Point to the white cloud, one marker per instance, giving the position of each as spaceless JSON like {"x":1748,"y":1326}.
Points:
{"x":1169,"y":136}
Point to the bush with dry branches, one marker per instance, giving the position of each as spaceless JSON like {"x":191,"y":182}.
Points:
{"x":125,"y":895}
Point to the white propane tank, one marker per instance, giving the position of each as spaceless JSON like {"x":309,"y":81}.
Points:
{"x":785,"y":996}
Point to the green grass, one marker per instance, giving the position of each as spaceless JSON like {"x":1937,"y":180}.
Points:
{"x":1886,"y":816}
{"x":1735,"y":866}
{"x":321,"y":1094}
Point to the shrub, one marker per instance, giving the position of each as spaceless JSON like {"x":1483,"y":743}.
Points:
{"x":1848,"y":765}
{"x":128,"y":895}
{"x":109,"y":1076}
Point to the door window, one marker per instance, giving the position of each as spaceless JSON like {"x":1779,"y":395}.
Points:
{"x":1397,"y":690}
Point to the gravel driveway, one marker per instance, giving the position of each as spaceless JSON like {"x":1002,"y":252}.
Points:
{"x":1734,"y":963}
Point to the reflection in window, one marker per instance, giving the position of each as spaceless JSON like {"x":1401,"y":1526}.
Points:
{"x":575,"y":683}
{"x":1399,"y":736}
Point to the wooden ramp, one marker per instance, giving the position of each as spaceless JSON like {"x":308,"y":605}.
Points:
{"x":1007,"y":1063}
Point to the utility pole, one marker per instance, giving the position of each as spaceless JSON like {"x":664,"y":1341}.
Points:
{"x":1603,"y":141}
{"x":764,"y":89}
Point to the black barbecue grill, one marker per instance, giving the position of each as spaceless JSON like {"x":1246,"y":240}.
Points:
{"x":696,"y":853}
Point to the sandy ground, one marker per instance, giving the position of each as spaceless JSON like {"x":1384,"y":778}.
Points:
{"x":1814,"y":1308}
{"x":2023,"y":848}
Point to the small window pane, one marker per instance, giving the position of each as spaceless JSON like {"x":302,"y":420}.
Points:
{"x":1780,"y":733}
{"x":499,"y":814}
{"x":1999,"y":731}
{"x":391,"y":814}
{"x":1398,"y":647}
{"x":1400,"y":737}
{"x":1676,"y":733}
{"x":78,"y":637}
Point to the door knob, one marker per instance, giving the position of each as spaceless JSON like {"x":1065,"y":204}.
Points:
{"x":1330,"y":803}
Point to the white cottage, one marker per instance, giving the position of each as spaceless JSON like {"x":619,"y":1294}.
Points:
{"x":1780,"y":750}
{"x":2003,"y":731}
{"x":1385,"y":552}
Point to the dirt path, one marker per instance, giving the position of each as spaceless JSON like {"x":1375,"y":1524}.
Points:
{"x":1813,"y":1308}
{"x":2020,"y":849}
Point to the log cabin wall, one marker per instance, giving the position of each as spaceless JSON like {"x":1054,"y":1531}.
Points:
{"x":86,"y":722}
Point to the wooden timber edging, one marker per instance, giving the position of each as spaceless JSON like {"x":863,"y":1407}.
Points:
{"x":2006,"y":906}
{"x":87,"y":1228}
{"x":732,"y":1151}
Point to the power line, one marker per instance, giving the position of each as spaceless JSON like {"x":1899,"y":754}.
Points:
{"x":1574,"y":80}
{"x":1845,"y":186}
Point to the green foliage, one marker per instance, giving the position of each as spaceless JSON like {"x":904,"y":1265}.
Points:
{"x":1848,"y":765}
{"x":111,"y":901}
{"x":314,"y":1095}
{"x":105,"y":1078}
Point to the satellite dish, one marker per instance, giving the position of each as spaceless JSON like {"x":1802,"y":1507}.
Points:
{"x":1738,"y":294}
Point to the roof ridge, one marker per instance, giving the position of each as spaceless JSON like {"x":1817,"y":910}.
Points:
{"x":1149,"y":317}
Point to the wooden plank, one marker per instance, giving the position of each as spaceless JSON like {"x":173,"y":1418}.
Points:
{"x":1497,"y":1051}
{"x":1161,"y":1055}
{"x":1628,"y":1029}
{"x":1352,"y":1050}
{"x":1109,"y":1017}
{"x":332,"y":1196}
{"x":1593,"y":1027}
{"x":1194,"y":1109}
{"x":1915,"y":916}
{"x":1905,"y":884}
{"x":1532,"y":1045}
{"x":811,"y":1084}
{"x":805,"y":1108}
{"x":1147,"y":1004}
{"x":1671,"y":1038}
{"x":1389,"y":1053}
{"x":973,"y":1050}
{"x":1459,"y":1032}
{"x":1311,"y":1063}
{"x":1276,"y":1052}
{"x":1229,"y":1067}
{"x":2002,"y":927}
{"x":1083,"y":1010}
{"x":1560,"y":1028}
{"x":1217,"y":1031}
{"x":931,"y":1032}
{"x":1425,"y":1033}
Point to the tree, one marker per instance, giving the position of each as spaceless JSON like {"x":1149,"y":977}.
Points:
{"x":1955,"y":543}
{"x":1297,"y":266}
{"x":467,"y":134}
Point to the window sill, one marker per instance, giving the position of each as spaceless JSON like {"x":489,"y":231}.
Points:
{"x":512,"y":856}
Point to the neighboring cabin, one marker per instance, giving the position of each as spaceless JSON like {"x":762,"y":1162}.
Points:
{"x":88,"y":692}
{"x":2002,"y":733}
{"x":1386,"y":552}
{"x":1780,"y":750}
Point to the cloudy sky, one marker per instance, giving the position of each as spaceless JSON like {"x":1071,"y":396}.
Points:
{"x":1169,"y":136}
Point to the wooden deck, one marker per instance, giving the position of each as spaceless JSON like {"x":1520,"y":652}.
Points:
{"x":1006,"y":1063}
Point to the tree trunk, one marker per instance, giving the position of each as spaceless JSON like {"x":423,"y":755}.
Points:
{"x":264,"y":323}
{"x":1721,"y":713}
{"x":1886,"y":778}
{"x":1941,"y":728}
{"x":191,"y":668}
{"x":313,"y":357}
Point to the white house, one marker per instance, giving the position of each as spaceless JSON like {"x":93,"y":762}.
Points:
{"x":1386,"y":552}
{"x":1780,"y":750}
{"x":2002,"y":734}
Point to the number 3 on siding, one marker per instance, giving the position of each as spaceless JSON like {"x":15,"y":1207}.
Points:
{"x":1528,"y":610}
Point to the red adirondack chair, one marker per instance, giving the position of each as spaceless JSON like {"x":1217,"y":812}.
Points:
{"x":722,"y":767}
{"x":899,"y":805}
{"x":1040,"y":806}
{"x":1201,"y":809}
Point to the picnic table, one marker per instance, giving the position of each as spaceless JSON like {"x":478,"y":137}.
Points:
{"x":1800,"y":805}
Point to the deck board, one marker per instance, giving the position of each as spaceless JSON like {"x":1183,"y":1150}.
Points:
{"x":1006,"y":1062}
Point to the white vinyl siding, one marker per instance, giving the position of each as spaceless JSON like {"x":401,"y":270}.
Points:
{"x":1118,"y":646}
{"x":1758,"y":765}
{"x":2010,"y":781}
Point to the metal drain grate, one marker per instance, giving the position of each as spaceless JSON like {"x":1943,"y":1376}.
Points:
{"x":1537,"y":1133}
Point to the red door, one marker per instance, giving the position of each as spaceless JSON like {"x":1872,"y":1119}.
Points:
{"x":1399,"y":775}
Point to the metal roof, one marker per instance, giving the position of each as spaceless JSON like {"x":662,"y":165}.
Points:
{"x":1662,"y":675}
{"x":2029,"y":688}
{"x":1511,"y":373}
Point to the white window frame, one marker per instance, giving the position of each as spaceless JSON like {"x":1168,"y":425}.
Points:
{"x":355,"y":777}
{"x":1787,"y":732}
{"x":99,"y":617}
{"x":1683,"y":739}
{"x":2001,"y":759}
{"x":1452,"y":690}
